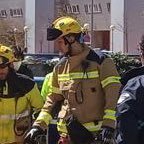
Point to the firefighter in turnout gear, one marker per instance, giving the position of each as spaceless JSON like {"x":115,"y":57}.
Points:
{"x":18,"y":94}
{"x":86,"y":82}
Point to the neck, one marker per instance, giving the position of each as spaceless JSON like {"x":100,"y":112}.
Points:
{"x":77,"y":48}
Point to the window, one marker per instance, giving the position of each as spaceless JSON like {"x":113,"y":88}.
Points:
{"x":16,"y":12}
{"x":3,"y":14}
{"x":68,"y":9}
{"x":72,"y":9}
{"x":87,"y":8}
{"x":75,"y":9}
{"x":96,"y":8}
{"x":108,"y":7}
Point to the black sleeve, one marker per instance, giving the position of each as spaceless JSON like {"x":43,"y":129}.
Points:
{"x":130,"y":109}
{"x":127,"y":127}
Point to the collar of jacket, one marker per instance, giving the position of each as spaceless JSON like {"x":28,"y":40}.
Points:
{"x":131,"y":74}
{"x":17,"y":85}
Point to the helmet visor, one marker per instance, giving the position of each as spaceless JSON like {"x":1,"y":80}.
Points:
{"x":3,"y":62}
{"x":53,"y":33}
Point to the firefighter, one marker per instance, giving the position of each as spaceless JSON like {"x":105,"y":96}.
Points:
{"x":86,"y":82}
{"x":18,"y":95}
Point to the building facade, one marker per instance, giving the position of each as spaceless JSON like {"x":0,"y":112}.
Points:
{"x":127,"y":25}
{"x":113,"y":25}
{"x":32,"y":17}
{"x":96,"y":14}
{"x":35,"y":16}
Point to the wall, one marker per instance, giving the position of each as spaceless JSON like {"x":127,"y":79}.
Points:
{"x":134,"y":23}
{"x":15,"y":22}
{"x":117,"y":25}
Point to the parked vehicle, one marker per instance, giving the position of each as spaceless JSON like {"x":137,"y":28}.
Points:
{"x":39,"y":63}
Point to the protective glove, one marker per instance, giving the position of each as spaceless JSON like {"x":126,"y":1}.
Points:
{"x":32,"y":134}
{"x":107,"y":135}
{"x":64,"y":140}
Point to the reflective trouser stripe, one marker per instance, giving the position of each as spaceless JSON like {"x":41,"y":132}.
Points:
{"x":91,"y":126}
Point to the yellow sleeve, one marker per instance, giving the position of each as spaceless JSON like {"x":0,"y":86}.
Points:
{"x":52,"y":99}
{"x":35,"y":98}
{"x":47,"y":86}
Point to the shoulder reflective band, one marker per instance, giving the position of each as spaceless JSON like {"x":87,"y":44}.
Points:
{"x":44,"y":116}
{"x":77,"y":75}
{"x":17,"y":116}
{"x":110,"y":114}
{"x":109,"y":80}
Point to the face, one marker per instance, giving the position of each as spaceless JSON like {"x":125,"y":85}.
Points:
{"x":3,"y":73}
{"x":60,"y":44}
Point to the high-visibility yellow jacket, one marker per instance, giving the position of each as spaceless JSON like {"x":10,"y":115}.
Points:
{"x":47,"y":86}
{"x":18,"y":95}
{"x":89,"y":85}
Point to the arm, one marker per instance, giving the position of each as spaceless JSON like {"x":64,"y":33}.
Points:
{"x":109,"y":78}
{"x":47,"y":86}
{"x":46,"y":113}
{"x":35,"y":98}
{"x":126,"y":119}
{"x":127,"y":128}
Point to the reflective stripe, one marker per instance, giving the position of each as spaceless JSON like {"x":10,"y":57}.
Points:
{"x":17,"y":116}
{"x":5,"y":92}
{"x":53,"y":121}
{"x":61,"y":126}
{"x":110,"y":114}
{"x":44,"y":116}
{"x":77,"y":75}
{"x":56,"y":90}
{"x":109,"y":80}
{"x":91,"y":126}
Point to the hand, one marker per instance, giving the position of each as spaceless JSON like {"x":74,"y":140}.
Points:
{"x":32,"y":134}
{"x":107,"y":135}
{"x":64,"y":140}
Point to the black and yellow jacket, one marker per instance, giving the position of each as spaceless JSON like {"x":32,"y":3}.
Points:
{"x":18,"y":94}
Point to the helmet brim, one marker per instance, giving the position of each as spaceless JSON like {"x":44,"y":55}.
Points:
{"x":53,"y":34}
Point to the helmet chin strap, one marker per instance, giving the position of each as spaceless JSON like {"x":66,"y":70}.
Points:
{"x":70,"y":39}
{"x":69,"y":53}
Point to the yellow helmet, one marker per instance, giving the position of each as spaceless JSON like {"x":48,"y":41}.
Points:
{"x":63,"y":26}
{"x":6,"y":55}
